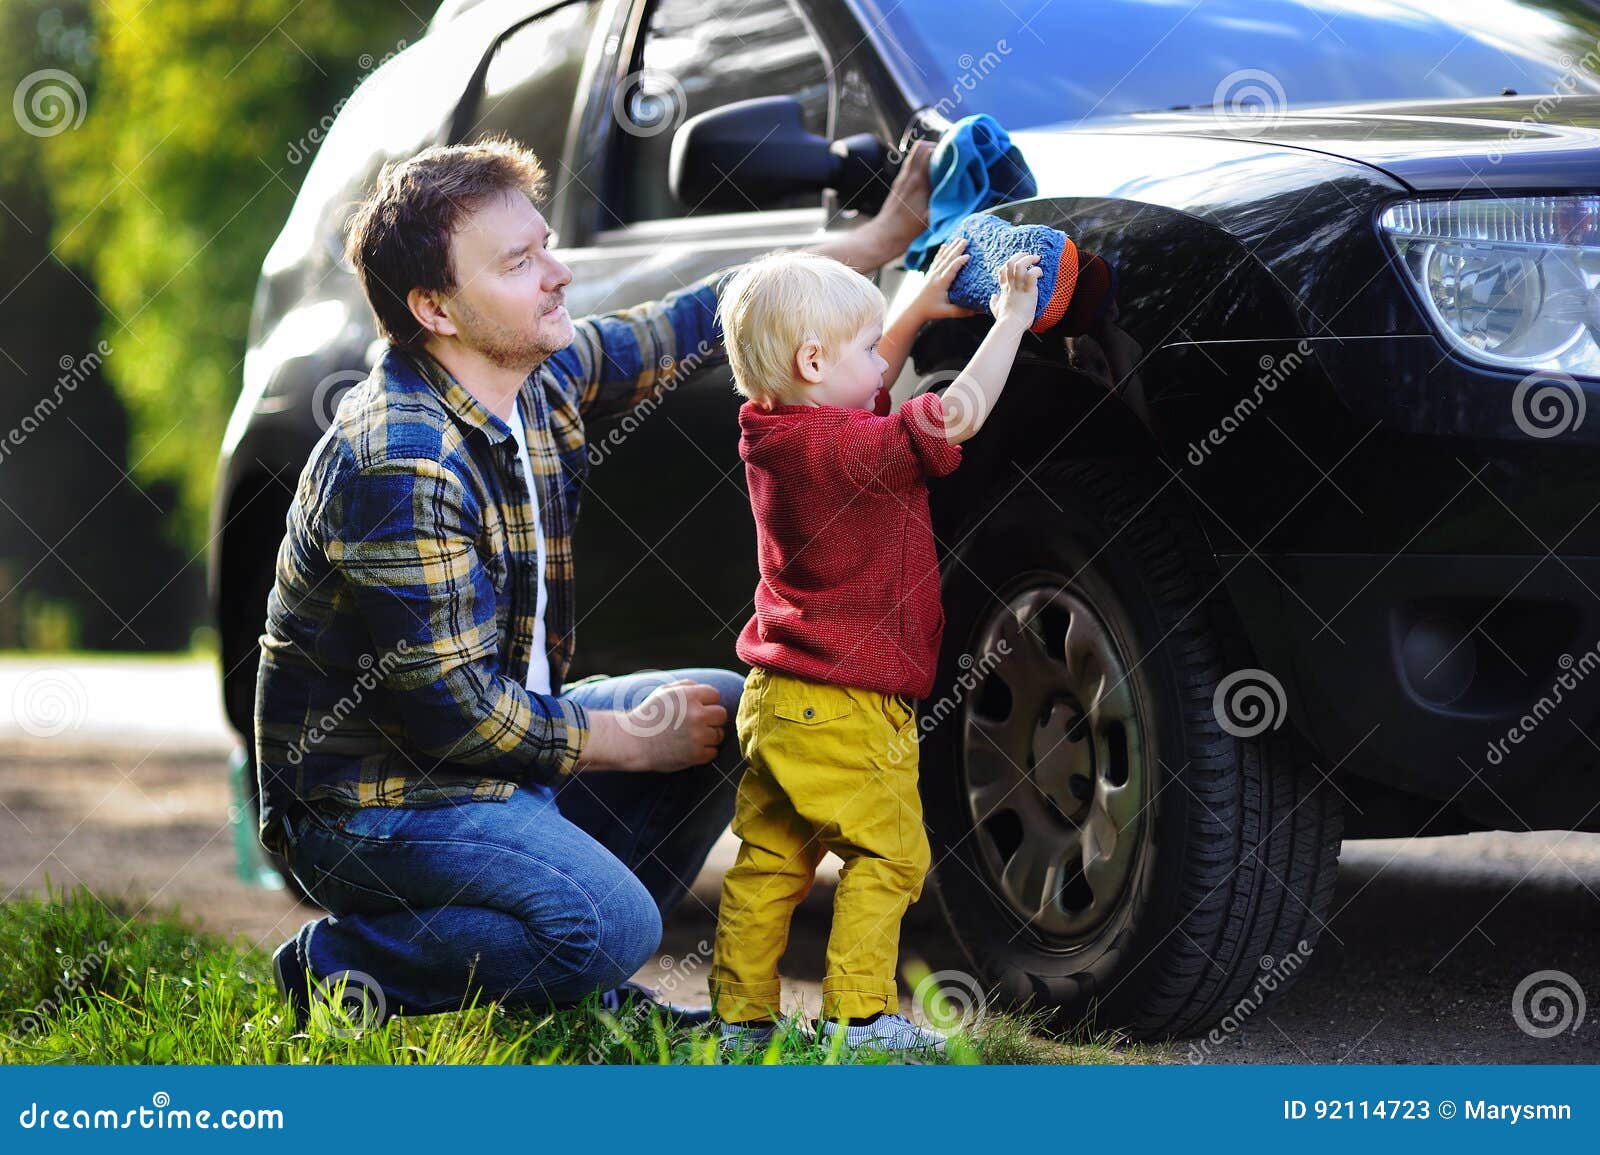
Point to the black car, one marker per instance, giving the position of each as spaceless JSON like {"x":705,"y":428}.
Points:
{"x":1294,"y":544}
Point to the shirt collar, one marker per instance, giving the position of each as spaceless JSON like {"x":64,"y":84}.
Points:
{"x":467,"y":408}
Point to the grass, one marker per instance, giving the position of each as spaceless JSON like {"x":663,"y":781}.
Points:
{"x":79,"y":988}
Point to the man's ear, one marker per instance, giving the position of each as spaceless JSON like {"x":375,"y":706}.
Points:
{"x":809,"y":362}
{"x":430,"y":312}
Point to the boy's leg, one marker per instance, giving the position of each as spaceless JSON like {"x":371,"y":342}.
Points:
{"x":774,"y":870}
{"x":860,"y":793}
{"x":662,"y":826}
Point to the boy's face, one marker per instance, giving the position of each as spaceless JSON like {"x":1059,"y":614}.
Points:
{"x":852,"y":378}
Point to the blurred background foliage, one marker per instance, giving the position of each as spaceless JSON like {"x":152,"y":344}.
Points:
{"x":143,"y":225}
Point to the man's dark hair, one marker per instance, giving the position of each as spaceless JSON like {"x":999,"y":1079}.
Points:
{"x":398,"y":239}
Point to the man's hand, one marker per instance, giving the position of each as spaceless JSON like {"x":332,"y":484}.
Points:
{"x":680,"y":724}
{"x":905,"y":210}
{"x":889,"y":234}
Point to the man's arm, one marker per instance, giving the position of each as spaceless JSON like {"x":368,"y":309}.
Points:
{"x":618,"y":360}
{"x":902,"y":219}
{"x":402,"y":534}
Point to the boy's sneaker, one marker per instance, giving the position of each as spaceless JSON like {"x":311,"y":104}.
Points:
{"x":747,"y":1034}
{"x":758,"y":1034}
{"x":886,"y":1033}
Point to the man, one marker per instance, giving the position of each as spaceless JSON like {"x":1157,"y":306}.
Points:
{"x":473,"y":824}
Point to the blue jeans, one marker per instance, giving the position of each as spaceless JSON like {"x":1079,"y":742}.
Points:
{"x":542,"y":898}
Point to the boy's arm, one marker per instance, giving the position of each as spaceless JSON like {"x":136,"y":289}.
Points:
{"x":930,"y":303}
{"x":971,"y":396}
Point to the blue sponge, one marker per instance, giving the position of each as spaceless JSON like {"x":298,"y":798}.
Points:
{"x":991,"y":242}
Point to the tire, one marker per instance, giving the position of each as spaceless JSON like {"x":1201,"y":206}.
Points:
{"x":1136,"y":864}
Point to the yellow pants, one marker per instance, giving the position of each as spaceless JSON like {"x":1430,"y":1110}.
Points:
{"x":830,"y":768}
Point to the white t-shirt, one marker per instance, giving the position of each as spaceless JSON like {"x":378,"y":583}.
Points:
{"x":539,"y":662}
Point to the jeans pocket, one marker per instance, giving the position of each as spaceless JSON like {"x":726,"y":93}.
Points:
{"x":372,"y":823}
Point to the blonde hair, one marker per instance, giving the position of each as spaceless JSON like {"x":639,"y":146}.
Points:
{"x":776,"y":303}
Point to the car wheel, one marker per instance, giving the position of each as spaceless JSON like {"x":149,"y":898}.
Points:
{"x":1102,"y":842}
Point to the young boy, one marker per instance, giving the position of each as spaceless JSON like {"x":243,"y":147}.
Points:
{"x":847,"y":621}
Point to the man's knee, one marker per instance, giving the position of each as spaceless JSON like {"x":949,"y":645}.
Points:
{"x":624,"y":929}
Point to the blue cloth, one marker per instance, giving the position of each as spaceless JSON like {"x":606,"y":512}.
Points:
{"x":974,"y":167}
{"x":991,"y":242}
{"x":556,"y":891}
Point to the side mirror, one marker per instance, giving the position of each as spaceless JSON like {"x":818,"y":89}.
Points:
{"x":757,"y":152}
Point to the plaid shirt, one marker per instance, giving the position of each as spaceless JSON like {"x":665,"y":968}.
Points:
{"x":401,"y":620}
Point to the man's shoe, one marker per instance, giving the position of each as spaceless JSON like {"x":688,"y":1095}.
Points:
{"x":642,"y":999}
{"x":886,"y":1033}
{"x":290,"y":978}
{"x":360,"y":1002}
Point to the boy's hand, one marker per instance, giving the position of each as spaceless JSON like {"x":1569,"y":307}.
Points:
{"x":1017,"y":299}
{"x":932,"y":301}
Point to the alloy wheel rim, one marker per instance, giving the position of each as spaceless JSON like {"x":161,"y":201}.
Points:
{"x":1052,"y":761}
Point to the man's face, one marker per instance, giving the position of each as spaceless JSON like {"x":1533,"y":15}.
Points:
{"x":508,"y":303}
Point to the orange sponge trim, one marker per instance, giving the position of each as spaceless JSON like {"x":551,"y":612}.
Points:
{"x":1061,"y":292}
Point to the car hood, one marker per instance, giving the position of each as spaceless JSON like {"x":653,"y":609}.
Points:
{"x":1517,"y":142}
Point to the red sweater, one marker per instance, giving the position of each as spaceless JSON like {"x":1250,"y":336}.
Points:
{"x":849,"y":589}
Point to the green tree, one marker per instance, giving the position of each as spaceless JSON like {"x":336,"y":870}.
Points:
{"x":173,"y":188}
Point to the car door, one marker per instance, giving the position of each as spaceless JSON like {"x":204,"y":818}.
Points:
{"x":665,"y":543}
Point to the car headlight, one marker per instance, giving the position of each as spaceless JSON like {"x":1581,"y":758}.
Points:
{"x":1510,"y":282}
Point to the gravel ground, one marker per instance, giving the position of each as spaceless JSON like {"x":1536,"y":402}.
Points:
{"x":1430,"y":940}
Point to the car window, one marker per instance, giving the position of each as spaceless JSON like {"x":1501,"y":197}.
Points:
{"x":698,"y":55}
{"x":1243,"y":56}
{"x":531,"y":81}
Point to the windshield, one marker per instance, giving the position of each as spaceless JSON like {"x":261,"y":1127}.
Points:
{"x":1045,"y":61}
